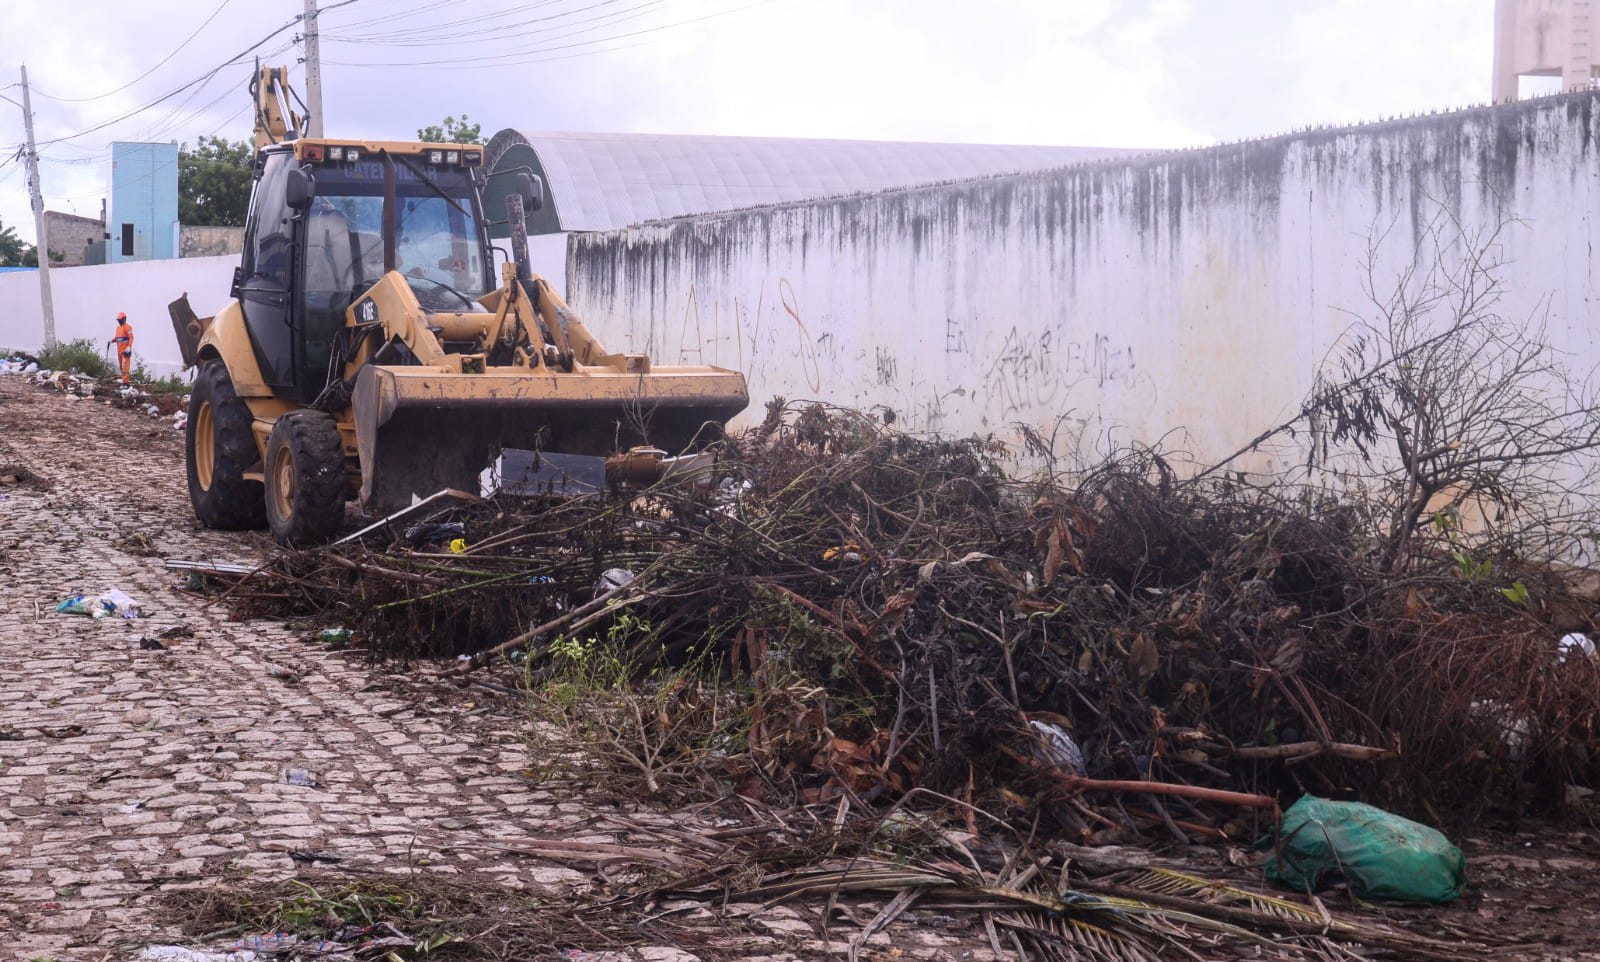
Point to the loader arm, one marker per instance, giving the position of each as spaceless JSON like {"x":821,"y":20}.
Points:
{"x":276,"y":119}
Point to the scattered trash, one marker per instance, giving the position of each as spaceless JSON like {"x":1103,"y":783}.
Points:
{"x":1379,"y":854}
{"x":729,"y":493}
{"x":180,"y":420}
{"x":299,"y":776}
{"x":458,"y":545}
{"x":108,"y":604}
{"x":434,"y":531}
{"x":198,"y":574}
{"x":845,"y":553}
{"x":612,"y":579}
{"x":334,"y":636}
{"x":1058,"y":748}
{"x":1576,"y":642}
{"x":19,"y":364}
{"x":444,"y":494}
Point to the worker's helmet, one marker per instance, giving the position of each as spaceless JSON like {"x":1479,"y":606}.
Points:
{"x":121,"y":316}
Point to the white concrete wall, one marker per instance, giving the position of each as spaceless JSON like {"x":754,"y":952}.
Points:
{"x":1195,"y":292}
{"x":87,"y":300}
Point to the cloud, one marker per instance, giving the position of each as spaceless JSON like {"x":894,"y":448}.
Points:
{"x":1136,"y":73}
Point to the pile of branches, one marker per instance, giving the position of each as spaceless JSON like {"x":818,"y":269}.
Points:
{"x":1117,"y":651}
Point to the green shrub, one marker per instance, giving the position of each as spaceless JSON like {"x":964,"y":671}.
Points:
{"x":174,"y":384}
{"x":81,"y":355}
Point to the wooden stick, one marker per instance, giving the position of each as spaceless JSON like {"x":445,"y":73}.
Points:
{"x":1221,"y":796}
{"x":1299,"y":750}
{"x":594,"y":607}
{"x":1077,"y":784}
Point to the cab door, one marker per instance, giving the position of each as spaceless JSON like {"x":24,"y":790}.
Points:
{"x":264,"y":285}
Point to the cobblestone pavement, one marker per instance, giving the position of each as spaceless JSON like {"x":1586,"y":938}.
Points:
{"x":128,"y":771}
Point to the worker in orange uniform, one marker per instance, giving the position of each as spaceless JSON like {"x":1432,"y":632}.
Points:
{"x":124,"y":343}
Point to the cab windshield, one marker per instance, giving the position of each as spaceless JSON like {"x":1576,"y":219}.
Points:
{"x":438,"y":240}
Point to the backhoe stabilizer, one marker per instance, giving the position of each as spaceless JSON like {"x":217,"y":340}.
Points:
{"x":419,"y":430}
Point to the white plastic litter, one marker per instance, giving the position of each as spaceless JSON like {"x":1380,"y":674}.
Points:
{"x":1574,"y":644}
{"x":109,"y":604}
{"x":1058,"y":748}
{"x":728,"y":495}
{"x":612,"y":579}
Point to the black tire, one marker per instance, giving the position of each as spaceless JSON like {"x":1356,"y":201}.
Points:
{"x":219,"y":432}
{"x":305,"y":478}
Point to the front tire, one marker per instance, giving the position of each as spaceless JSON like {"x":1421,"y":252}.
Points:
{"x":305,"y":478}
{"x":219,"y":448}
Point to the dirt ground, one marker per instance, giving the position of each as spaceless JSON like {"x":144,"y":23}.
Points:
{"x":128,"y":769}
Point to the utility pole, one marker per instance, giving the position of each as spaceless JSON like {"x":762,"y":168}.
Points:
{"x":313,"y":72}
{"x":32,"y":159}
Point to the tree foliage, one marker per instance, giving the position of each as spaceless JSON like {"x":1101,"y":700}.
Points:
{"x":214,"y":182}
{"x":14,"y":252}
{"x":452,"y":131}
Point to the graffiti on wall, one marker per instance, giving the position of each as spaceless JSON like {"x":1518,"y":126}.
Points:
{"x":1035,"y":372}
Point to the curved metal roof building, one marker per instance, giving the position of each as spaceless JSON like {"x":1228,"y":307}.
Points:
{"x":599,"y":182}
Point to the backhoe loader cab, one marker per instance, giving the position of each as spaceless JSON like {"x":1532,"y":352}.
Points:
{"x":315,"y":242}
{"x":373,"y":351}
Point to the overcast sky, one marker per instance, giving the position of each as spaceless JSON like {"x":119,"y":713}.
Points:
{"x":1133,"y":73}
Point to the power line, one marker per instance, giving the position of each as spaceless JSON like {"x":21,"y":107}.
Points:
{"x":503,"y":59}
{"x":168,"y":96}
{"x":171,"y":123}
{"x":404,"y":14}
{"x":158,"y":66}
{"x":433,"y":35}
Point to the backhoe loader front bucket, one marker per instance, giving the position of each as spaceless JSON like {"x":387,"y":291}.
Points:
{"x":420,"y":429}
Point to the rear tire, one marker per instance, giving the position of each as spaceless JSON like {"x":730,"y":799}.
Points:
{"x":305,"y":478}
{"x":219,"y":448}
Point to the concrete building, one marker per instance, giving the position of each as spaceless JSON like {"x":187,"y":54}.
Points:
{"x":1543,"y":38}
{"x":143,"y":222}
{"x":73,"y":237}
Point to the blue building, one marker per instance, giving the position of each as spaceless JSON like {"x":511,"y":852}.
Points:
{"x":143,"y":221}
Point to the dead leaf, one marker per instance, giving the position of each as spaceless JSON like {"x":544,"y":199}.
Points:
{"x":1143,"y":658}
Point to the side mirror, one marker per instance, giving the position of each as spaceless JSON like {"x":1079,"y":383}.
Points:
{"x":299,"y":190}
{"x":532,"y":190}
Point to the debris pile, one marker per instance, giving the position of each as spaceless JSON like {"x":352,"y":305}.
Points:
{"x":129,"y":397}
{"x":1118,"y":652}
{"x":19,"y":363}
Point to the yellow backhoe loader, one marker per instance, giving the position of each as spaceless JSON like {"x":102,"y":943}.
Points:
{"x":369,"y":353}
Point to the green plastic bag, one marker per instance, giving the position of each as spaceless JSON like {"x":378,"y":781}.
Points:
{"x":1381,"y":856}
